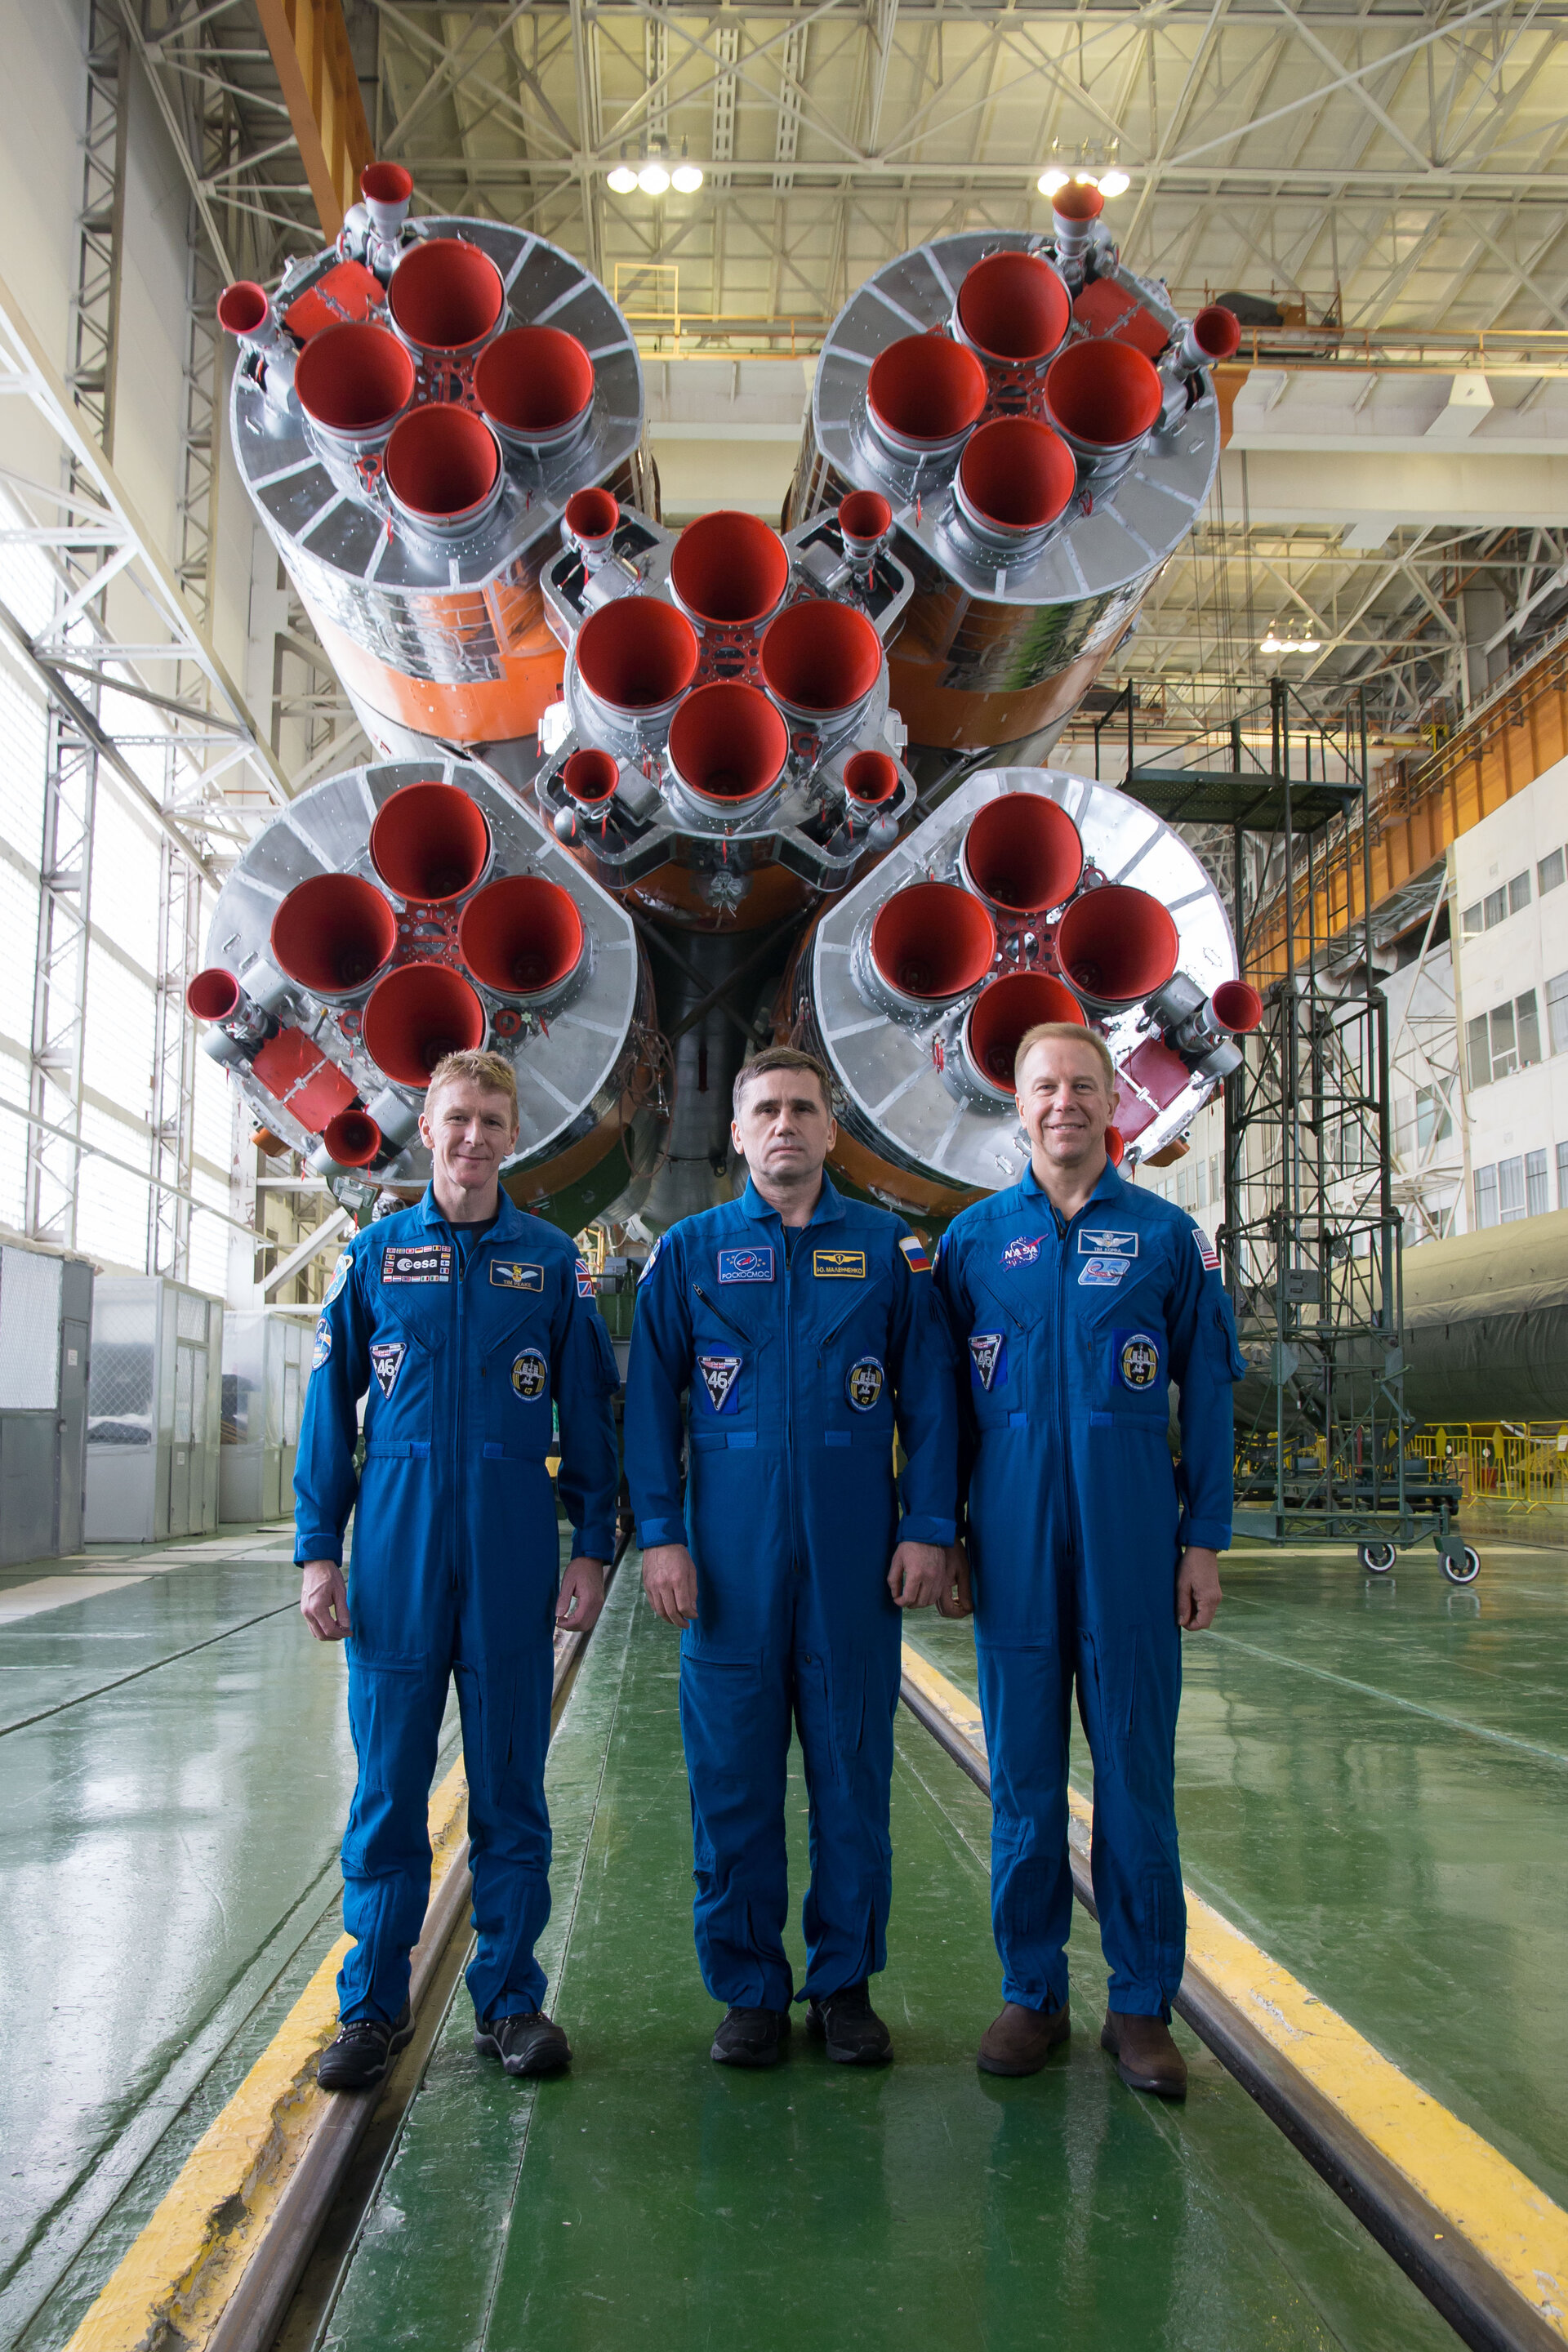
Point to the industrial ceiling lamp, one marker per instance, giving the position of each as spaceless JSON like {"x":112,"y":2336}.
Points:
{"x":623,"y":179}
{"x":654,"y":177}
{"x":686,"y":176}
{"x":1052,"y":178}
{"x":1114,"y":183}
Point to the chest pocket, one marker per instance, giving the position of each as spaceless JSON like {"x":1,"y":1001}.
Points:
{"x":516,"y":1390}
{"x":997,"y":1347}
{"x":854,"y":1390}
{"x":728,"y":1355}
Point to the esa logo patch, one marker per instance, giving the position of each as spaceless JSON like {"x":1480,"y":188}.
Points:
{"x":1104,"y":1242}
{"x":1137,"y":1360}
{"x":529,"y":1374}
{"x":746,"y":1265}
{"x":506,"y":1273}
{"x":718,"y":1375}
{"x":586,"y":1286}
{"x":324,"y":1346}
{"x":1206,"y":1249}
{"x":417,"y":1262}
{"x":386,"y":1362}
{"x":339,"y":1276}
{"x":1023,"y":1251}
{"x":988,"y":1353}
{"x":864,"y":1386}
{"x":1101,"y":1273}
{"x":838,"y":1265}
{"x":915,"y":1253}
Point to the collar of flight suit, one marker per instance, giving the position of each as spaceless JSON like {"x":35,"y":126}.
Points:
{"x":506,"y":1227}
{"x":1110,"y":1187}
{"x":829,"y":1209}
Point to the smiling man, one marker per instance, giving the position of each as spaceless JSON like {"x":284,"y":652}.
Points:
{"x":462,"y":1321}
{"x":801,"y":1328}
{"x":1077,"y":1300}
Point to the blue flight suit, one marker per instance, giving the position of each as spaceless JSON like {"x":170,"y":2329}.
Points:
{"x":1078,"y":1518}
{"x":800,"y":1352}
{"x":463,"y":1342}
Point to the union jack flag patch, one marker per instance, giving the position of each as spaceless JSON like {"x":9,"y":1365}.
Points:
{"x":914,"y":1253}
{"x":586,"y":1287}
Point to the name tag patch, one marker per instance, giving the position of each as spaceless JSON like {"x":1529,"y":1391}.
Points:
{"x":417,"y":1262}
{"x":746,"y":1265}
{"x":1206,"y":1249}
{"x":1105,"y":1242}
{"x":529,"y":1373}
{"x":915,"y":1255}
{"x":1103,"y":1272}
{"x":988,"y":1354}
{"x":838,"y":1265}
{"x":507,"y":1274}
{"x":324,"y":1346}
{"x":864,"y":1386}
{"x":718,"y":1375}
{"x":386,"y":1362}
{"x":1137,"y":1359}
{"x":1023,"y":1251}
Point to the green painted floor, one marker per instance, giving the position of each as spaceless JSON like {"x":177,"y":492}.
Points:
{"x":1372,"y":1780}
{"x":652,"y":2197}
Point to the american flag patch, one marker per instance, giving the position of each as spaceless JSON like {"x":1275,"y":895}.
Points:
{"x":914,"y":1252}
{"x":586,"y":1287}
{"x":1206,"y":1249}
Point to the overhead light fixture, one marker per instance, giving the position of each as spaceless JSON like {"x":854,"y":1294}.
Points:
{"x":1050,"y":180}
{"x":1086,"y":179}
{"x":623,"y":179}
{"x":653,"y":179}
{"x":686,"y":176}
{"x":1114,"y":183}
{"x":1274,"y":643}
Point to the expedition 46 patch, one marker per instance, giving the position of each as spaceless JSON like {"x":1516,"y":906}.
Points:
{"x":718,"y":1375}
{"x":747,"y":1265}
{"x":387,"y":1361}
{"x":1103,"y":1272}
{"x":988,"y":1353}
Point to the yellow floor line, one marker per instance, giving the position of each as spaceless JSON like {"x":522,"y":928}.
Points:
{"x":171,"y":2282}
{"x":1510,"y":2222}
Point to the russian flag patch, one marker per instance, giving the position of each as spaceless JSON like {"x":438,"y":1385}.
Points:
{"x":915,"y":1255}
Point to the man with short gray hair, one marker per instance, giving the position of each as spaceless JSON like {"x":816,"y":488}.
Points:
{"x":462,"y":1321}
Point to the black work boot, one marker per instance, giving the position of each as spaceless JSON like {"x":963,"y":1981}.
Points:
{"x":531,"y":2044}
{"x":855,"y":2035}
{"x":751,"y":2037}
{"x":362,"y":2051}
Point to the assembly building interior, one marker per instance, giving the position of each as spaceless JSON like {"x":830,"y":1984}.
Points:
{"x":616,"y":535}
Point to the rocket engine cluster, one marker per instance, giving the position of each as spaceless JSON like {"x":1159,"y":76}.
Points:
{"x":624,"y":769}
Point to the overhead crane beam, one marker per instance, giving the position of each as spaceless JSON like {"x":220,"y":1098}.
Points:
{"x":310,"y":44}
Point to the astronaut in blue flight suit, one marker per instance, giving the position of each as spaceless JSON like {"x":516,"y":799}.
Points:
{"x":801,"y":1328}
{"x":462,"y":1321}
{"x":1075,"y":1299}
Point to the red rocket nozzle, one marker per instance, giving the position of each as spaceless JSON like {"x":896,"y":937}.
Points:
{"x":1236,"y":1007}
{"x":637,"y":654}
{"x":429,"y":842}
{"x":386,"y":184}
{"x":592,"y":516}
{"x":1014,"y":307}
{"x":1016,"y":474}
{"x":820,"y":659}
{"x":333,"y":933}
{"x":1024,"y":853}
{"x":214,"y":994}
{"x":865,"y":519}
{"x":520,"y":936}
{"x":591,"y":776}
{"x":1217,"y":332}
{"x":353,"y":379}
{"x":1115,"y":945}
{"x":1000,"y":1014}
{"x":1115,"y":1146}
{"x":728,"y":744}
{"x":933,"y":941}
{"x":535,"y":384}
{"x":730,"y":569}
{"x":416,"y":1016}
{"x":352,"y":1139}
{"x":1078,"y":201}
{"x":925,"y":392}
{"x":1103,"y":394}
{"x":445,"y":295}
{"x":242,"y":307}
{"x":442,"y":464}
{"x":870,"y":778}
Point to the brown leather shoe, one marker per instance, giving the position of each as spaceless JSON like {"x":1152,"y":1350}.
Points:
{"x":1146,"y":2057}
{"x":1020,"y":2041}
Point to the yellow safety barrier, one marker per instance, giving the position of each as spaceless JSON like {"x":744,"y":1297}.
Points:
{"x":1516,"y":1466}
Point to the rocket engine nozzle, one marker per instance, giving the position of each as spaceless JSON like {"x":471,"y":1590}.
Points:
{"x":214,"y":994}
{"x":728,"y":745}
{"x":353,"y":382}
{"x":388,"y":191}
{"x":1000,"y":1014}
{"x":429,"y":844}
{"x":923,"y":394}
{"x":1075,"y":209}
{"x":865,"y":524}
{"x":1103,"y":397}
{"x":591,"y":777}
{"x":870,"y":778}
{"x":444,"y":471}
{"x":637,"y":656}
{"x":930,"y":943}
{"x":446,"y":298}
{"x":332,"y":934}
{"x":1204,"y":1030}
{"x":416,"y":1016}
{"x":820,"y":660}
{"x":1014,"y":479}
{"x":535,"y":387}
{"x":352,"y":1139}
{"x":1014,"y":310}
{"x":1023,"y":855}
{"x":729,"y":571}
{"x":590,"y":522}
{"x":1116,"y":945}
{"x":521,"y":936}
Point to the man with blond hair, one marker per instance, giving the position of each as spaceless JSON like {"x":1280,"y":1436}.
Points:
{"x":462,"y":1322}
{"x":1076,"y":1299}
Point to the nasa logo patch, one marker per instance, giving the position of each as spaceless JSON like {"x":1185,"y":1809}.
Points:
{"x":417,"y":1262}
{"x":864,"y":1386}
{"x":718,"y":1375}
{"x":506,"y":1273}
{"x":746,"y":1265}
{"x":1101,"y":1273}
{"x":324,"y":1346}
{"x":1023,"y":1251}
{"x":988,"y":1353}
{"x":1137,"y":1360}
{"x":339,"y":1276}
{"x":1104,"y":1242}
{"x":529,"y":1373}
{"x":386,"y":1362}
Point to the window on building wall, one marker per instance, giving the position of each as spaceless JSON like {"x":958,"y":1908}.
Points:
{"x":1505,"y":1040}
{"x":1479,"y":1052}
{"x":1203,"y":1199}
{"x":1504,"y":1043}
{"x":1526,"y":1028}
{"x":1563,"y":1175}
{"x":1486,"y":1197}
{"x":1434,"y":1122}
{"x":1496,"y":905}
{"x":1471,"y":922}
{"x":1549,"y":874}
{"x":1557,"y":1011}
{"x":1537,"y":1192}
{"x":1519,"y":893}
{"x":1216,"y":1190}
{"x":1510,"y":1189}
